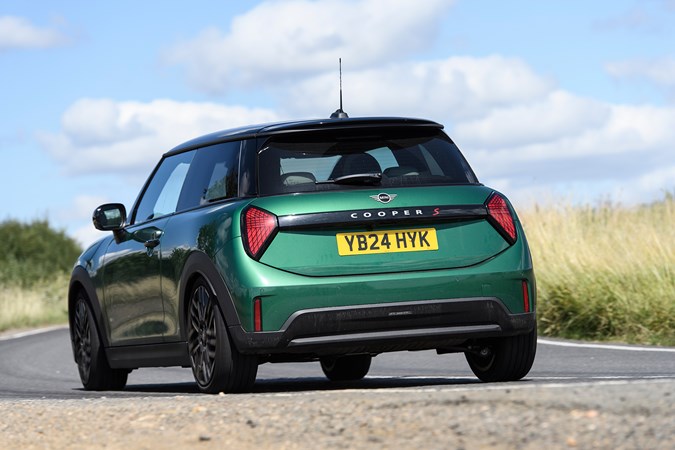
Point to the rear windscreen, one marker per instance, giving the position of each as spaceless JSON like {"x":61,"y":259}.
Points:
{"x":308,"y":162}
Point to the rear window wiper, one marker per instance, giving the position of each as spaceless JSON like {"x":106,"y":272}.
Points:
{"x":369,"y":178}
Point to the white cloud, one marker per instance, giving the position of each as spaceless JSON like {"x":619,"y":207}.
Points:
{"x":616,"y":152}
{"x":17,"y":32}
{"x":284,"y":40}
{"x":549,"y":119}
{"x":86,"y":235}
{"x":455,"y":88}
{"x":81,"y":211}
{"x":84,"y":205}
{"x":660,"y":71}
{"x":631,"y":189}
{"x":106,"y":136}
{"x":660,"y":179}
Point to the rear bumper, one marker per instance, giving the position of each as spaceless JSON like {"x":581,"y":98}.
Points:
{"x":420,"y":325}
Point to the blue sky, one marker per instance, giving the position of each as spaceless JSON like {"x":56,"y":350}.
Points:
{"x":551,"y":100}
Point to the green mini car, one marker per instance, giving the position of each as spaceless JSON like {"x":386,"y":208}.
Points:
{"x":323,"y":240}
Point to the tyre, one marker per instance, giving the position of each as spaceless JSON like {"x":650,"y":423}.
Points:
{"x":217,"y":366}
{"x":95,"y":373}
{"x":346,"y":368}
{"x":504,"y":359}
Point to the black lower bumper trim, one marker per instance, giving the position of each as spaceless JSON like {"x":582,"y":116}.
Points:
{"x":379,"y":328}
{"x":393,"y":335}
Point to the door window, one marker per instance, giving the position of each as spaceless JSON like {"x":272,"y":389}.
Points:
{"x":213,"y":176}
{"x":161,"y":196}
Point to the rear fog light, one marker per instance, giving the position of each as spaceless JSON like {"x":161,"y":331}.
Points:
{"x":257,"y":314}
{"x":526,"y":297}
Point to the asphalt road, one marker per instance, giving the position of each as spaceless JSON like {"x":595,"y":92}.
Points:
{"x":41,"y":366}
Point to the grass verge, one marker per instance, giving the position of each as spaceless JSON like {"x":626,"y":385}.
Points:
{"x":42,"y":303}
{"x":605,"y":273}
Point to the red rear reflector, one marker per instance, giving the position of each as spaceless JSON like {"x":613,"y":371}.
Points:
{"x":257,"y":314}
{"x":526,"y":297}
{"x":501,"y":216}
{"x":259,"y":228}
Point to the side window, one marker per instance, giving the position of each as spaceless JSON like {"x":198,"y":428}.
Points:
{"x":213,"y":175}
{"x":248,"y":156}
{"x":161,"y":196}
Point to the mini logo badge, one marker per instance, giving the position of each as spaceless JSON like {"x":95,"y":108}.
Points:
{"x":383,"y":197}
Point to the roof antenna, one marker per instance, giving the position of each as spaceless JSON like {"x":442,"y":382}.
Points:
{"x":339,"y":113}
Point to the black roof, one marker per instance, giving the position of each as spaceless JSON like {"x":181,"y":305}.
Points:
{"x":251,"y":131}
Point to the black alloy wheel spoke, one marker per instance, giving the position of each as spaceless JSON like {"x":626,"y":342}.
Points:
{"x":194,"y":321}
{"x":202,"y":335}
{"x":206,"y":369}
{"x":82,"y":339}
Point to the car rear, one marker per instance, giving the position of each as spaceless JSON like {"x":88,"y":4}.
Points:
{"x":373,"y":237}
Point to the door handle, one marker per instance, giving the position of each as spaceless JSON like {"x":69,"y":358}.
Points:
{"x":152,"y":243}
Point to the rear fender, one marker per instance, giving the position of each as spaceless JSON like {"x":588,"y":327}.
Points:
{"x":198,"y":265}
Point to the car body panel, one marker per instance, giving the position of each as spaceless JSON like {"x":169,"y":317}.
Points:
{"x":461,"y":242}
{"x":132,"y":285}
{"x":283,"y":292}
{"x":204,"y":230}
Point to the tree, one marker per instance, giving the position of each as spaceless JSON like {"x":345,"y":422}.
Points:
{"x":30,"y":252}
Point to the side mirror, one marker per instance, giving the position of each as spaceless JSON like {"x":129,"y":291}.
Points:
{"x":110,"y":217}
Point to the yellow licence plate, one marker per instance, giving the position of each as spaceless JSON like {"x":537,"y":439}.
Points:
{"x":392,"y":241}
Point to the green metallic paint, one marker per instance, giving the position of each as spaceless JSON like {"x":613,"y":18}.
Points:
{"x":460,"y":244}
{"x":284,"y":293}
{"x":132,"y":296}
{"x":206,"y":230}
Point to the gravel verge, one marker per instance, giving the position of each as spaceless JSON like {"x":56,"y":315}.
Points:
{"x":616,"y":415}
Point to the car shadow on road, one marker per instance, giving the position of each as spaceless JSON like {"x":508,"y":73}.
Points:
{"x":308,"y":384}
{"x":322,"y":384}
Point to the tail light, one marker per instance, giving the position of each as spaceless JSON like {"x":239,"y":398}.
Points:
{"x":500,"y":217}
{"x":258,"y":229}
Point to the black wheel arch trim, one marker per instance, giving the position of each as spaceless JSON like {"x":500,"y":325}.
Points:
{"x":80,"y":279}
{"x":199,"y":264}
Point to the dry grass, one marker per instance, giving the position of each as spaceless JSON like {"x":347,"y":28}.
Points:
{"x":41,"y":304}
{"x":605,"y":273}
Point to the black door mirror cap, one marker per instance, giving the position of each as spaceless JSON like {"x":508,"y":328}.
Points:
{"x":110,"y":217}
